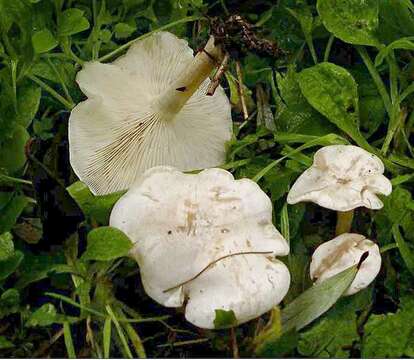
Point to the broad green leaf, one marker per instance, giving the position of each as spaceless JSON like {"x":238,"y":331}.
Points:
{"x":406,"y":253}
{"x":333,"y":335}
{"x":316,"y":300}
{"x":353,"y":21}
{"x":406,"y":43}
{"x":390,"y":335}
{"x":10,"y":265}
{"x":10,"y":213}
{"x":44,"y":316}
{"x":72,"y":21}
{"x":97,"y":208}
{"x":224,"y":319}
{"x":396,"y":20}
{"x":43,"y":41}
{"x":106,"y":243}
{"x":293,"y":112}
{"x":12,"y":150}
{"x":332,"y":91}
{"x":6,"y":246}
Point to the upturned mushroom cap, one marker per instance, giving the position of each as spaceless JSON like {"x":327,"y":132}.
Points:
{"x":147,"y":108}
{"x":181,"y":223}
{"x":342,"y":178}
{"x":342,"y":252}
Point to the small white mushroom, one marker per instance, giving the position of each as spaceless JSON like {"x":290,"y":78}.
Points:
{"x":342,"y":252}
{"x":342,"y":178}
{"x":148,"y":108}
{"x":204,"y":240}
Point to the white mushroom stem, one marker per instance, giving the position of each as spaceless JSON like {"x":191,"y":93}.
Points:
{"x":190,"y":80}
{"x":344,"y":222}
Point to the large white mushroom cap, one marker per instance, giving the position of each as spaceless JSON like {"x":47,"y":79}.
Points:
{"x":342,"y":252}
{"x":181,"y":223}
{"x":342,"y":178}
{"x":148,"y":108}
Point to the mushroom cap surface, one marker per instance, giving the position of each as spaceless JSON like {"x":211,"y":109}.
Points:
{"x":342,"y":252}
{"x":342,"y":178}
{"x":121,"y":130}
{"x":181,"y":223}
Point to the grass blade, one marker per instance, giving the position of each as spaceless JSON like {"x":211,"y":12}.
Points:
{"x":121,"y":334}
{"x":68,"y":341}
{"x":107,"y":336}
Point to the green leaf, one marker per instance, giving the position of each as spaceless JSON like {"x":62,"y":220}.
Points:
{"x":316,"y":300}
{"x":6,"y":246}
{"x":224,"y":319}
{"x":332,"y":91}
{"x":107,"y":243}
{"x":9,"y":302}
{"x":333,"y":335}
{"x":389,"y":335}
{"x":11,"y":212}
{"x":123,"y":30}
{"x":405,"y":251}
{"x":12,"y":150}
{"x":43,"y":41}
{"x":293,"y":112}
{"x":10,"y":265}
{"x":406,"y":43}
{"x":4,"y":343}
{"x":353,"y":21}
{"x":44,"y":316}
{"x":72,"y":22}
{"x":97,"y":208}
{"x":396,"y":20}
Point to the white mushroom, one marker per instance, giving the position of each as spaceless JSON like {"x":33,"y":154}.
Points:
{"x":342,"y":252}
{"x":148,"y":108}
{"x":204,"y":240}
{"x":342,"y":178}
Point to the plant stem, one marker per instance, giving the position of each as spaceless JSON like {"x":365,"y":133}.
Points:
{"x":240,"y":87}
{"x":234,"y":344}
{"x":52,"y":92}
{"x":376,"y":78}
{"x":328,"y":48}
{"x":62,"y":82}
{"x":385,"y":248}
{"x":121,"y":334}
{"x":309,"y":42}
{"x":6,"y":178}
{"x":344,"y":222}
